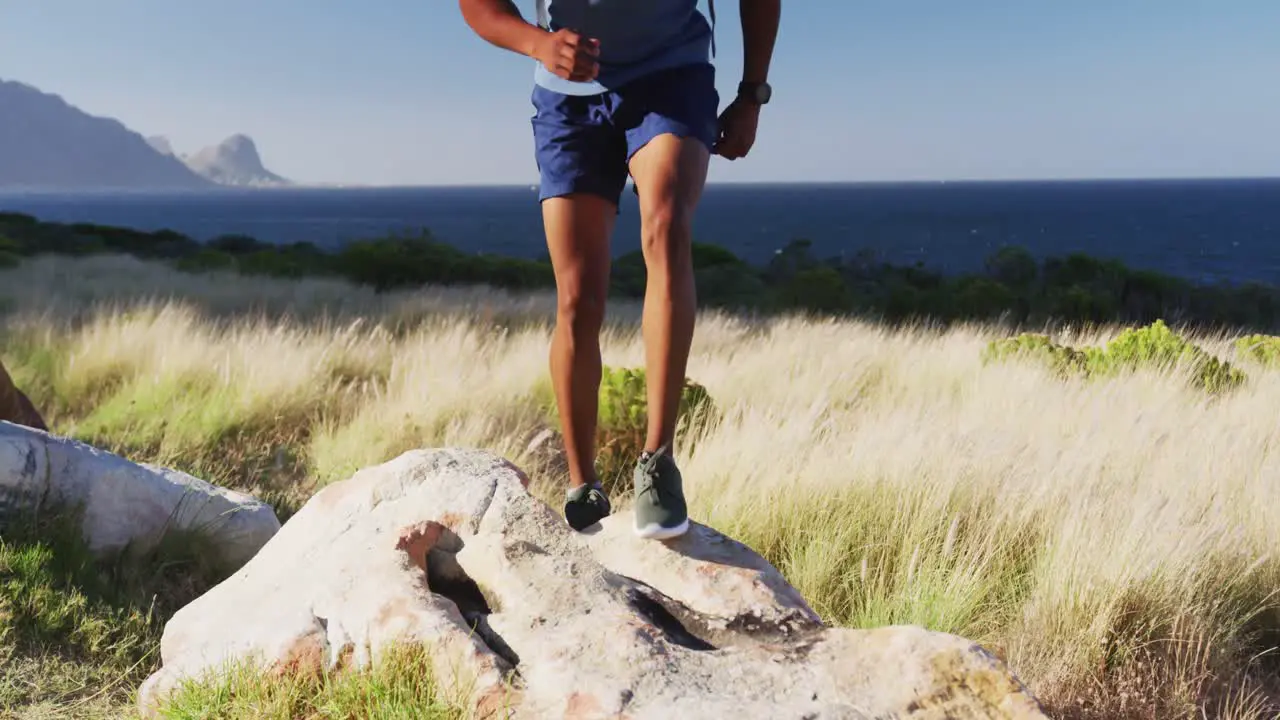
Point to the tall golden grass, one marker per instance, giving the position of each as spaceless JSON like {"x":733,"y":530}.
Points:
{"x":1115,"y":540}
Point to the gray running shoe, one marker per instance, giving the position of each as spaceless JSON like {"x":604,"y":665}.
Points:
{"x":660,"y":508}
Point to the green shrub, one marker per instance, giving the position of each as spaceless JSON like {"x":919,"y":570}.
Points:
{"x":709,"y":256}
{"x":818,"y":289}
{"x":236,"y":244}
{"x":1262,"y":349}
{"x":730,"y":286}
{"x":1158,"y":347}
{"x":1064,"y":360}
{"x":980,"y":298}
{"x":1013,"y":266}
{"x":624,"y":399}
{"x":1154,"y":346}
{"x":205,"y":261}
{"x":623,"y":424}
{"x":623,"y":417}
{"x":9,"y":259}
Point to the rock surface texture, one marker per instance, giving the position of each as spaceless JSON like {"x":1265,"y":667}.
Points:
{"x":15,"y":407}
{"x":125,"y":504}
{"x":526,"y":618}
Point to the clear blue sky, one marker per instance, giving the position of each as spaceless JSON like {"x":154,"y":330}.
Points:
{"x":401,"y":92}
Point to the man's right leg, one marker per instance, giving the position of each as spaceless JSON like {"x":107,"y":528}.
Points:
{"x":582,"y":162}
{"x":578,"y":228}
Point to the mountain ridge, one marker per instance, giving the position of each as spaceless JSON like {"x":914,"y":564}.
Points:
{"x":235,"y":162}
{"x":49,"y":143}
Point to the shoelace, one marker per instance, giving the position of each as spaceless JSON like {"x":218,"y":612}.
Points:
{"x":648,"y":485}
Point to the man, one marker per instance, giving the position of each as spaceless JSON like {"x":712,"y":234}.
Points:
{"x":626,"y":87}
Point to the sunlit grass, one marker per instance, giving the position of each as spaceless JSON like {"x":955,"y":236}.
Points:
{"x":398,"y":686}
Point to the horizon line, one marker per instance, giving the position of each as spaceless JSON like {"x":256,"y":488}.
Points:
{"x":302,"y":186}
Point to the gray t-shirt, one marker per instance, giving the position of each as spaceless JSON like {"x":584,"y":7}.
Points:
{"x":636,"y":37}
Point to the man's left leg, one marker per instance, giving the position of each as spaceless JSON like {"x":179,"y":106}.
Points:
{"x":670,"y":171}
{"x":669,"y":174}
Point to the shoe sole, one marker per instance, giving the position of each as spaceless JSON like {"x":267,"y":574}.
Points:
{"x":654,"y":531}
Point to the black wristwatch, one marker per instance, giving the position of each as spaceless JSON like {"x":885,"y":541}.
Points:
{"x":757,"y":93}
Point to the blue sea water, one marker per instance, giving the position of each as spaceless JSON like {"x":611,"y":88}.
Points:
{"x":1200,"y":229}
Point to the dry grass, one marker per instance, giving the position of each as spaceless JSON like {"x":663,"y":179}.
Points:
{"x":1116,"y":540}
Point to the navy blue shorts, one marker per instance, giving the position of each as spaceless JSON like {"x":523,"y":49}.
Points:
{"x":582,"y":143}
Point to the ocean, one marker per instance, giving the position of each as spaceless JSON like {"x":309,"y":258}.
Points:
{"x":1204,"y":230}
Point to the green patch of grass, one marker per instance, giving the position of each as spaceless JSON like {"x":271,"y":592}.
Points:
{"x":869,"y":556}
{"x":398,"y":686}
{"x":79,"y":633}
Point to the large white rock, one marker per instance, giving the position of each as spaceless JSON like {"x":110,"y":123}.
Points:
{"x":524,"y":616}
{"x":124,"y":504}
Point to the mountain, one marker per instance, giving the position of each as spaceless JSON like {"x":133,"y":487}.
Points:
{"x":46,"y":143}
{"x":234,"y":161}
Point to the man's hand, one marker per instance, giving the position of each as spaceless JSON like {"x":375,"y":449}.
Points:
{"x":738,"y":125}
{"x":569,"y":55}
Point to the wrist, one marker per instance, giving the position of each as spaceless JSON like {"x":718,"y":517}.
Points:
{"x":755,"y":92}
{"x":531,"y":41}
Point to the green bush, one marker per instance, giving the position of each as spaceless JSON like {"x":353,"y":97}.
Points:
{"x":980,"y":298}
{"x":206,"y":261}
{"x":1154,"y":346}
{"x":623,"y":424}
{"x":1064,"y":360}
{"x":623,"y":417}
{"x":1013,"y":266}
{"x":1262,"y":349}
{"x":9,"y":259}
{"x":817,"y":289}
{"x":730,"y":286}
{"x":624,"y":399}
{"x":1158,"y":347}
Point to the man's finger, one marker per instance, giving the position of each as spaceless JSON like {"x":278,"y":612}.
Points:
{"x":729,"y":143}
{"x":570,"y":38}
{"x":575,"y":58}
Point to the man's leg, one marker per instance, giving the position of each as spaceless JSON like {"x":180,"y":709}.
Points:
{"x":578,"y":228}
{"x":582,"y":162}
{"x":669,"y":173}
{"x":671,"y":148}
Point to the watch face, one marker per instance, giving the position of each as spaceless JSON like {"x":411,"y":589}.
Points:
{"x":763,"y":93}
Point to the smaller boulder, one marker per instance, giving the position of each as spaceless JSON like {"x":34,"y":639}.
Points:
{"x":125,"y":505}
{"x":16,"y":407}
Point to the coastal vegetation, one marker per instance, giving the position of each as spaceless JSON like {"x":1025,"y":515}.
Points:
{"x":1014,"y":288}
{"x":1067,"y":461}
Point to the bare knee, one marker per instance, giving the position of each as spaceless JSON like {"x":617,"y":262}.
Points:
{"x":580,"y":308}
{"x":666,"y":235}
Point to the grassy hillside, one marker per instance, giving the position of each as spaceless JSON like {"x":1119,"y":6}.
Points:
{"x":1111,"y":533}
